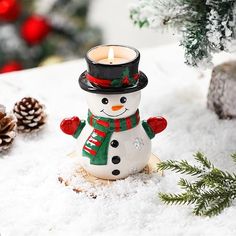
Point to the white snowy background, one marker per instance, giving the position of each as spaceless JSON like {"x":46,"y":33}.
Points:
{"x":113,"y":18}
{"x":33,"y":202}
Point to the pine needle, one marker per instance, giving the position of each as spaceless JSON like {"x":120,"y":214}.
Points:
{"x":199,"y":157}
{"x":182,"y":167}
{"x":179,"y":199}
{"x":210,"y":194}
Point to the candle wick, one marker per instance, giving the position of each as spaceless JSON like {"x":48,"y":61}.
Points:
{"x":111,"y":63}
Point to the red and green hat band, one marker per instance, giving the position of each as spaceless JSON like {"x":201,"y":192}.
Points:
{"x":125,"y":80}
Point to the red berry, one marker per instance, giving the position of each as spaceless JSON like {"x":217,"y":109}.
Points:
{"x":35,"y":29}
{"x":9,"y":10}
{"x":125,"y":80}
{"x":11,"y":66}
{"x":157,"y":124}
{"x":70,"y":125}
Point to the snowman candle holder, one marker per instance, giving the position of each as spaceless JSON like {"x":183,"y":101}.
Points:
{"x":113,"y":143}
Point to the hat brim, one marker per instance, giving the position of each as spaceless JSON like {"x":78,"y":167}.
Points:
{"x":92,"y":88}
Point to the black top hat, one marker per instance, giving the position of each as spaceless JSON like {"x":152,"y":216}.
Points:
{"x":112,"y":78}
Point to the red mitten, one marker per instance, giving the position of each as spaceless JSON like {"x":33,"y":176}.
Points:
{"x":157,"y":124}
{"x":70,"y":125}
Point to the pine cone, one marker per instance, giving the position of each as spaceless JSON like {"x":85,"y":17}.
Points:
{"x":30,"y":115}
{"x":7,"y":129}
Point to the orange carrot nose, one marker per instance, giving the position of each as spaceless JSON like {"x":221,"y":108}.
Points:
{"x":116,"y":108}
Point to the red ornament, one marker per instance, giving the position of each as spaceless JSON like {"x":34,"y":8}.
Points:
{"x":11,"y":66}
{"x":70,"y":125}
{"x":35,"y":29}
{"x":157,"y":124}
{"x":9,"y":10}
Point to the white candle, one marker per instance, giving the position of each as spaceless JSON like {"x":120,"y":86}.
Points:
{"x":112,"y":54}
{"x":112,"y":59}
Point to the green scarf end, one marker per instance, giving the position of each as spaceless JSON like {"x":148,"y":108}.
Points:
{"x":79,"y":129}
{"x":148,"y":130}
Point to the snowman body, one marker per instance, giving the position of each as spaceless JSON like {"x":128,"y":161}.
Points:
{"x":112,"y":142}
{"x":129,"y":150}
{"x":128,"y":153}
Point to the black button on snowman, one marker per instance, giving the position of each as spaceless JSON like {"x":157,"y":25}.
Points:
{"x":115,"y":159}
{"x":113,"y":143}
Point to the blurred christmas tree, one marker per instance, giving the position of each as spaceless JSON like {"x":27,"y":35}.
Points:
{"x":206,"y":26}
{"x":38,"y":32}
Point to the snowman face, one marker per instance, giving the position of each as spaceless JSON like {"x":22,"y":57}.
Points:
{"x":113,"y":106}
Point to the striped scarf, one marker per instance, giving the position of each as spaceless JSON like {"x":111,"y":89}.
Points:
{"x":96,"y":146}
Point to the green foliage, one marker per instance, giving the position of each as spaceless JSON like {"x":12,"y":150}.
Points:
{"x":211,"y":192}
{"x":206,"y":26}
{"x":234,"y":157}
{"x":180,"y":167}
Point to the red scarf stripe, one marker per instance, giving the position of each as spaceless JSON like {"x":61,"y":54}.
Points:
{"x":94,"y":141}
{"x":117,"y":125}
{"x":90,"y":151}
{"x":97,"y":81}
{"x":128,"y":123}
{"x":100,"y":133}
{"x":103,"y":123}
{"x":91,"y":120}
{"x":137,"y":117}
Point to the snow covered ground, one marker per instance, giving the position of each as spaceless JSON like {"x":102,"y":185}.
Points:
{"x":33,"y":202}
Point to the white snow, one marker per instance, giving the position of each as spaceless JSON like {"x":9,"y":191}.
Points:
{"x":33,"y":202}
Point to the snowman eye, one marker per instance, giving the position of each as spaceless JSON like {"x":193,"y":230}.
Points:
{"x":123,"y":99}
{"x":104,"y":100}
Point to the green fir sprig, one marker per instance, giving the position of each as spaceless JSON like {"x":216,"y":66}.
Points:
{"x":206,"y":26}
{"x":210,"y":193}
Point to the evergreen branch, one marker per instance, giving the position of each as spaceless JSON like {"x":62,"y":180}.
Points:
{"x":206,"y":26}
{"x":234,"y":157}
{"x":182,"y":167}
{"x":199,"y":157}
{"x":217,"y":207}
{"x":180,"y":199}
{"x":186,"y":185}
{"x":199,"y":207}
{"x":224,"y":176}
{"x":211,"y":193}
{"x":200,"y":183}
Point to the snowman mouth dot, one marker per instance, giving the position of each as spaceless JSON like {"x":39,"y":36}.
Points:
{"x":115,"y":115}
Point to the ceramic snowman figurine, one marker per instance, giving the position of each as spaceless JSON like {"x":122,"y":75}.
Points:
{"x":113,"y":143}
